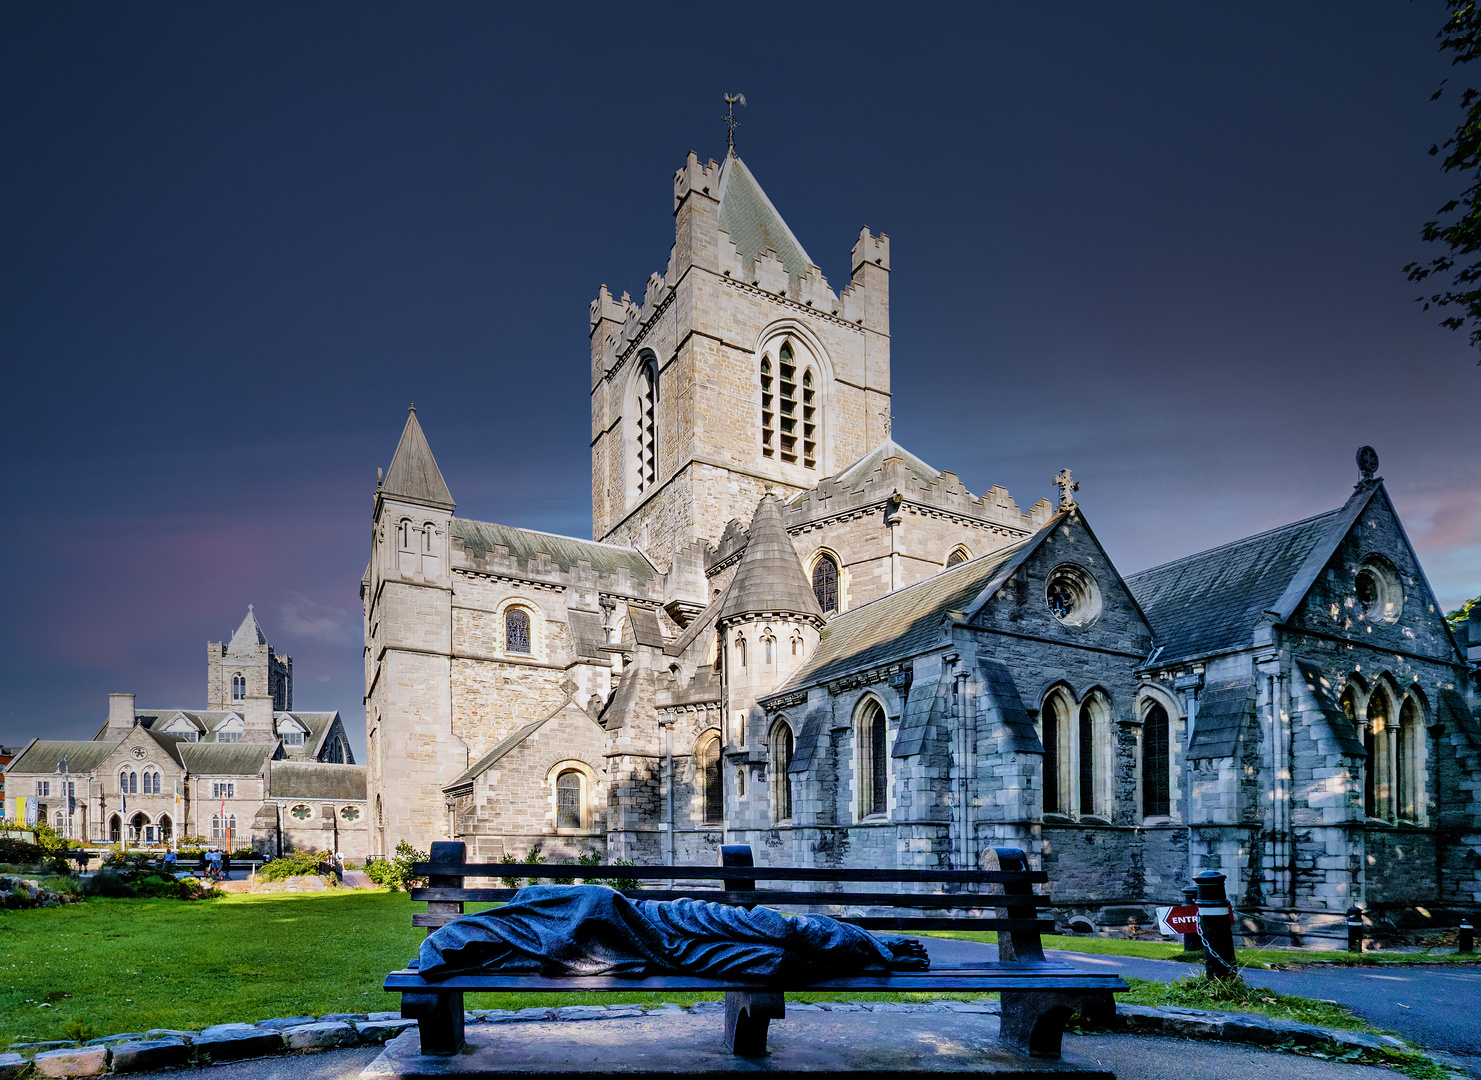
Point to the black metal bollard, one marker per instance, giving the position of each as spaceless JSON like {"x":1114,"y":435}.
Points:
{"x":1214,"y":927}
{"x":1467,"y":936}
{"x":1190,"y":941}
{"x":1355,"y":929}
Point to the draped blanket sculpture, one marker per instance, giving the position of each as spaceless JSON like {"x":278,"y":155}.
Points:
{"x":593,"y":930}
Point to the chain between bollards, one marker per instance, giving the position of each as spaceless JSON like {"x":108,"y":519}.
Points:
{"x":1214,"y":926}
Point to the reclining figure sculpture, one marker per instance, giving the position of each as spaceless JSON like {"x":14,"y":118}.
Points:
{"x":594,"y":930}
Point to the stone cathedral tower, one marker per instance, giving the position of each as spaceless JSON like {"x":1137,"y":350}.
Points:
{"x":740,"y":371}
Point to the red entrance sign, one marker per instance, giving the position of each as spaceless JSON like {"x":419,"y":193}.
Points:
{"x":1182,"y":919}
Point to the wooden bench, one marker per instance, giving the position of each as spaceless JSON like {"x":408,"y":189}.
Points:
{"x":1038,"y":995}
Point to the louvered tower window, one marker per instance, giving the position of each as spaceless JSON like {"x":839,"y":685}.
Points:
{"x":787,"y":405}
{"x":809,"y":422}
{"x":648,"y":427}
{"x":768,"y":413}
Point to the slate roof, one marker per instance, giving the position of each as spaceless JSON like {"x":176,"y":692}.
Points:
{"x":316,"y":780}
{"x":225,"y":759}
{"x":908,"y":620}
{"x":1210,"y":602}
{"x":645,"y":627}
{"x":1222,"y":711}
{"x":414,"y":474}
{"x":1007,"y":706}
{"x":482,"y":537}
{"x":504,"y":746}
{"x":42,"y":755}
{"x":769,"y":578}
{"x":587,"y":634}
{"x":873,"y":462}
{"x":753,"y":222}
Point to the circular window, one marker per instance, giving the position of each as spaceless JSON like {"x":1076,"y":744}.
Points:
{"x":1072,"y":595}
{"x":350,"y":813}
{"x":302,"y":811}
{"x":1380,"y":596}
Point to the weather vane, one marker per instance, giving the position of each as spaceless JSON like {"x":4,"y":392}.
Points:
{"x":731,"y":100}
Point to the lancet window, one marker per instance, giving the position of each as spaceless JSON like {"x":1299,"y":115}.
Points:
{"x":711,"y":783}
{"x":789,"y":410}
{"x":825,"y":583}
{"x":1156,"y":777}
{"x":647,"y":432}
{"x":874,"y":762}
{"x":568,"y":800}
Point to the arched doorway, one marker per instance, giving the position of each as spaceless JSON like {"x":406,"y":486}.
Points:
{"x":138,"y":827}
{"x":115,"y":829}
{"x":166,"y":829}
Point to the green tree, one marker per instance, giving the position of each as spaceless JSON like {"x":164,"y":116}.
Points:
{"x":1462,"y":613}
{"x":1457,"y":225}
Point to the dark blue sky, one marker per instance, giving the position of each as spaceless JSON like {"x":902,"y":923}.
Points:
{"x":1157,"y":243}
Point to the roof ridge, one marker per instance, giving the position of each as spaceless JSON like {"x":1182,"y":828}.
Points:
{"x":936,"y":577}
{"x":1235,"y":543}
{"x":556,"y":535}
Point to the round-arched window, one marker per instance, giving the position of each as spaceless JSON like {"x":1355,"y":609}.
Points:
{"x":568,"y":801}
{"x":517,"y":630}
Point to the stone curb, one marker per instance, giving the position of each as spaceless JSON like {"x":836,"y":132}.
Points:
{"x":163,"y":1047}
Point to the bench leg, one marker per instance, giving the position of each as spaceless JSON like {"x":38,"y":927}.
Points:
{"x":747,"y":1016}
{"x":1033,"y":1021}
{"x":439,"y":1019}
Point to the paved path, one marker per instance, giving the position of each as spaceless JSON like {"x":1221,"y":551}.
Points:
{"x":1436,"y":1006}
{"x":1130,"y":1057}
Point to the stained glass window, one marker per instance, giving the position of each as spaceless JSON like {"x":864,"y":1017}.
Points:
{"x":568,"y":800}
{"x":517,"y":630}
{"x":825,"y":583}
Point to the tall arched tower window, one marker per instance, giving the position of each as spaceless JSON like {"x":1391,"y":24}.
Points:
{"x":874,"y":761}
{"x":1156,"y":779}
{"x":789,"y":409}
{"x":781,"y":762}
{"x":825,"y":583}
{"x":647,"y":427}
{"x":712,"y":791}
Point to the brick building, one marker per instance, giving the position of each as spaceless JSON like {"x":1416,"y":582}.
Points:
{"x":795,"y":633}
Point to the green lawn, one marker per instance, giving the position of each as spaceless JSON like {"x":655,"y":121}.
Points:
{"x":130,"y":965}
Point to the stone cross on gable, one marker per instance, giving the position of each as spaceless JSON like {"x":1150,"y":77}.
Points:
{"x":1067,"y":487}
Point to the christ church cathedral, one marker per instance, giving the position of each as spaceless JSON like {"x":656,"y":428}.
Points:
{"x":794,"y":633}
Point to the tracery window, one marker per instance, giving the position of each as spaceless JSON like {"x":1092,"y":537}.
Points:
{"x":958,"y":555}
{"x":238,"y":687}
{"x":825,"y":583}
{"x":1156,"y":772}
{"x":302,"y":812}
{"x":517,"y":630}
{"x":568,"y":800}
{"x":874,"y":772}
{"x":711,"y":783}
{"x":350,"y":813}
{"x":647,"y":427}
{"x":781,"y":761}
{"x":789,"y":406}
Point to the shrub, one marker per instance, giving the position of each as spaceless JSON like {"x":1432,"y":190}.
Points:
{"x":297,"y":864}
{"x":244,"y":853}
{"x":20,"y":852}
{"x":114,"y":883}
{"x":109,"y":883}
{"x":395,"y":874}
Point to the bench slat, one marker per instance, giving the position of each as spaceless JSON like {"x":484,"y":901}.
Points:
{"x":732,"y":873}
{"x":772,"y":897}
{"x":904,"y":925}
{"x":1011,"y":977}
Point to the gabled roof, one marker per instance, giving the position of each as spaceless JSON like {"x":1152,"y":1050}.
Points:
{"x":42,"y":755}
{"x":414,"y":475}
{"x":526,"y":545}
{"x":249,"y":635}
{"x":1210,"y":602}
{"x":909,"y":620}
{"x":315,"y":780}
{"x":507,"y":744}
{"x":753,"y":222}
{"x":873,"y":462}
{"x":769,"y":578}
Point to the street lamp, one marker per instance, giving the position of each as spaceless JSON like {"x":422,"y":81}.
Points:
{"x":66,"y":791}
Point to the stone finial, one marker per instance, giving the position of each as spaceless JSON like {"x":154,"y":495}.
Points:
{"x":1367,"y":461}
{"x":1067,"y":488}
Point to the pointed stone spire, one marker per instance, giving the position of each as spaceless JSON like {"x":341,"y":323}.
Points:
{"x":414,"y":475}
{"x":249,"y":635}
{"x":769,"y":579}
{"x":753,"y":222}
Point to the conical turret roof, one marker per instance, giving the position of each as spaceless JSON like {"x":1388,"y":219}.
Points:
{"x":414,"y":474}
{"x":249,"y":634}
{"x":770,"y":577}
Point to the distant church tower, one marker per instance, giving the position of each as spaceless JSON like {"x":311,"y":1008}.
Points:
{"x":247,"y":667}
{"x":740,"y":371}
